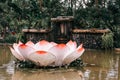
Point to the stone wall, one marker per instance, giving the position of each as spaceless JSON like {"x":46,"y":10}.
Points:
{"x":36,"y":35}
{"x":91,"y":38}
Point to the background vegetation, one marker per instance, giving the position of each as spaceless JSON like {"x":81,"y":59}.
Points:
{"x":18,"y":14}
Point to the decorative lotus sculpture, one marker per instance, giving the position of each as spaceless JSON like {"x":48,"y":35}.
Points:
{"x":45,"y":53}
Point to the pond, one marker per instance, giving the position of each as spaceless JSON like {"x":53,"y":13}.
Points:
{"x":99,"y":65}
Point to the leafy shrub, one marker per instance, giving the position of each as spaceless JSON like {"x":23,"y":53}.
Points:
{"x":107,"y":40}
{"x":116,"y":32}
{"x":10,"y":39}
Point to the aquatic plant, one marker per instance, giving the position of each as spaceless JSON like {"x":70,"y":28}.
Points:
{"x":44,"y":53}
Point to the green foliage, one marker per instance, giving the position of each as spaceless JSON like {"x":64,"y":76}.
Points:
{"x":35,"y":12}
{"x":107,"y":40}
{"x":116,"y":32}
{"x":93,"y":18}
{"x":10,"y":39}
{"x":103,"y":16}
{"x":19,"y":37}
{"x":19,"y":14}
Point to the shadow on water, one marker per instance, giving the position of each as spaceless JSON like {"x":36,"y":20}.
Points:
{"x":99,"y":65}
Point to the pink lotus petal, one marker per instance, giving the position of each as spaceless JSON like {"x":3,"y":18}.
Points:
{"x":60,"y":50}
{"x":80,"y":46}
{"x":42,"y":58}
{"x":19,"y":57}
{"x":25,"y":50}
{"x":73,"y":56}
{"x":20,"y":43}
{"x":53,"y":43}
{"x":72,"y":45}
{"x":30,"y":43}
{"x":45,"y":53}
{"x":15,"y":46}
{"x":43,"y":45}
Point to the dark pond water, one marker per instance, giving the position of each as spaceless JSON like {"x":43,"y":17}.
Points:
{"x":100,"y":65}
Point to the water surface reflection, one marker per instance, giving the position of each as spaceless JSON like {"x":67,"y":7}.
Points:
{"x":47,"y":75}
{"x":100,"y":65}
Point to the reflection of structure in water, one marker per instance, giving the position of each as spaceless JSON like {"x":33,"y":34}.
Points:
{"x":48,"y":75}
{"x":4,"y":55}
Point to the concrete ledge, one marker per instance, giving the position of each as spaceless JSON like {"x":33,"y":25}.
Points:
{"x":36,"y":31}
{"x":90,"y":30}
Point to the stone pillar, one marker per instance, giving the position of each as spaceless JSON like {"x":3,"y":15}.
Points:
{"x":62,"y":26}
